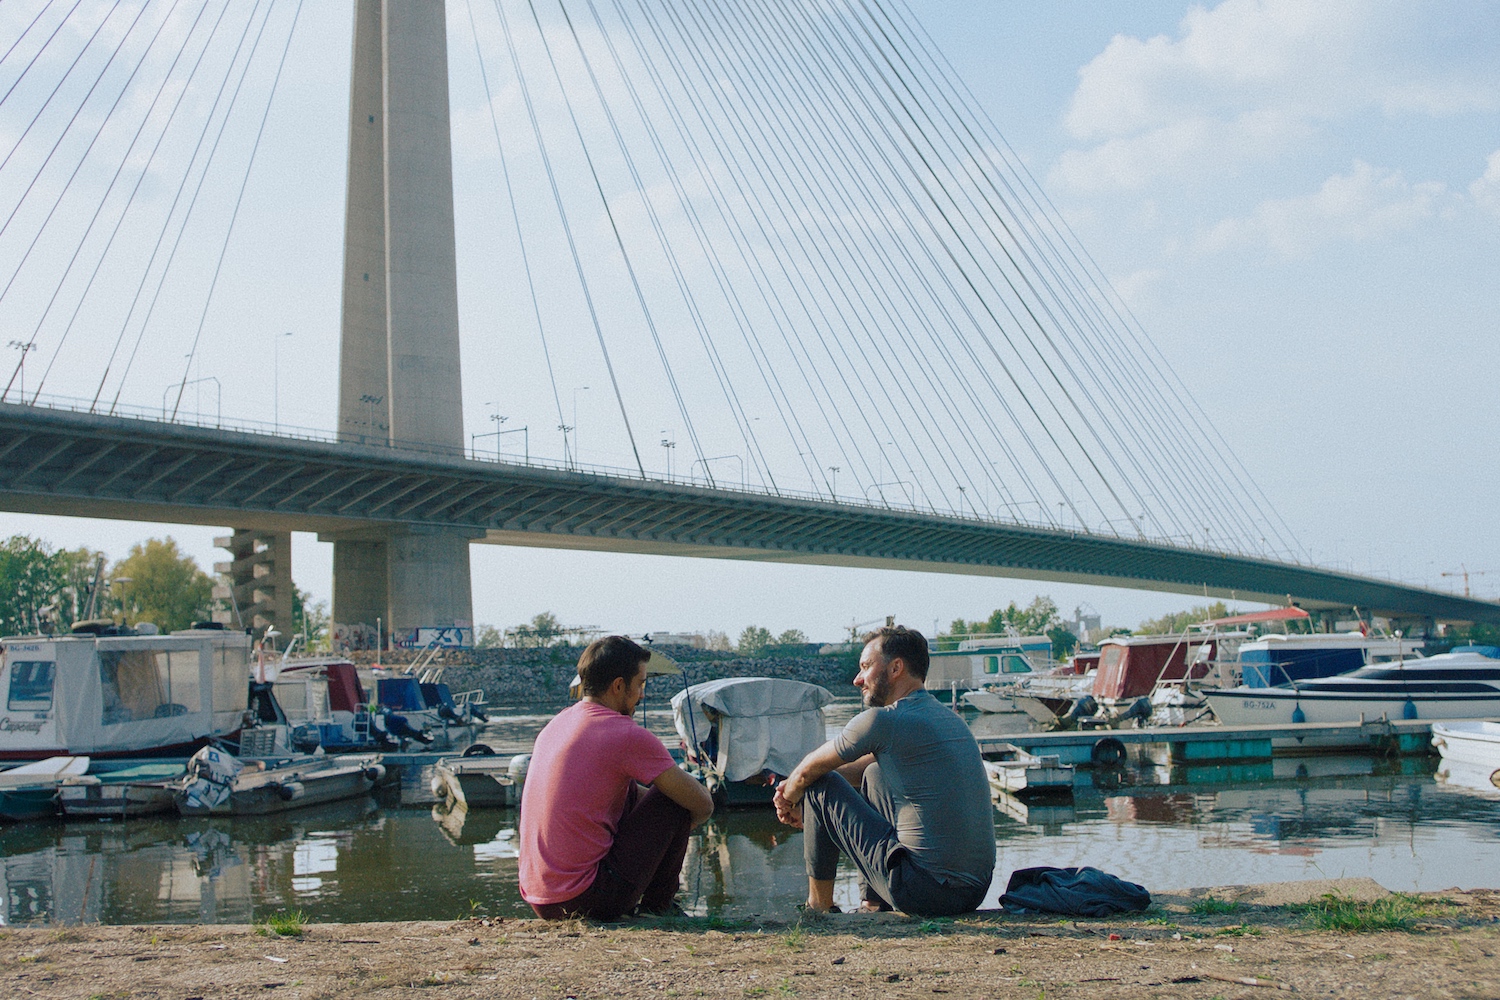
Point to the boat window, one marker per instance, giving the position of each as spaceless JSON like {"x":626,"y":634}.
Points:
{"x":992,"y":664}
{"x":31,"y":685}
{"x":133,"y":684}
{"x":1017,"y":665}
{"x":182,"y":681}
{"x":231,"y":679}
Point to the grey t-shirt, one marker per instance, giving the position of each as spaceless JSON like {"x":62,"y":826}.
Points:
{"x":931,"y":770}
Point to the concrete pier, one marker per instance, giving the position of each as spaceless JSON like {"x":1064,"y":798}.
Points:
{"x":399,"y":356}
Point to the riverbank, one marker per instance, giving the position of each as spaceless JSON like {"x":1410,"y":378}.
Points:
{"x":539,"y":678}
{"x":1230,"y":942}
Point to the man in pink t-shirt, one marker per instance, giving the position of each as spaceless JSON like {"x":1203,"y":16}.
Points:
{"x":591,"y":844}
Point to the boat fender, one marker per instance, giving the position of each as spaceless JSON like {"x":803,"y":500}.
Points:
{"x":479,"y":750}
{"x":436,"y":784}
{"x":1298,"y":716}
{"x":290,"y":791}
{"x":375,"y":772}
{"x":519,"y":765}
{"x":1409,"y":710}
{"x":1108,"y":752}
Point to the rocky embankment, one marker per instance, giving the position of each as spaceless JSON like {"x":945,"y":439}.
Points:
{"x":540,"y":677}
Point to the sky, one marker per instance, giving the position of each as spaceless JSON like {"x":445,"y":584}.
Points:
{"x":1300,"y":203}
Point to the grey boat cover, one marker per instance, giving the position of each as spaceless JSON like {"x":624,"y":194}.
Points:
{"x":1079,"y":892}
{"x":756,"y":723}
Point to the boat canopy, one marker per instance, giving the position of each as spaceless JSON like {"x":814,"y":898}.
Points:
{"x":1273,"y":615}
{"x":748,"y":725}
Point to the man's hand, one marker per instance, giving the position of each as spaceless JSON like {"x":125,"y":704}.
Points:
{"x":685,"y":790}
{"x":787,"y":811}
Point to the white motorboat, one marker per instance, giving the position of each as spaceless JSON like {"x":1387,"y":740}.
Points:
{"x":986,"y":660}
{"x":478,"y":779}
{"x":1014,"y":771}
{"x":1471,"y":746}
{"x":1461,"y":685}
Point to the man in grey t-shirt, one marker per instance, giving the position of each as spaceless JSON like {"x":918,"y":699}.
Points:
{"x":920,"y":827}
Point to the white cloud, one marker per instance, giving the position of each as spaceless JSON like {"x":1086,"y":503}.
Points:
{"x":1247,"y":79}
{"x":1364,"y":204}
{"x":1486,"y":190}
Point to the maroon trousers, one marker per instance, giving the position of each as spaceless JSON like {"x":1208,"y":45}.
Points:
{"x":642,"y":869}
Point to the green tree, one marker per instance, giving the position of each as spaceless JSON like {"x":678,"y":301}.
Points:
{"x":312,"y":620}
{"x":1040,"y":617}
{"x":34,"y":579}
{"x":1178,"y":621}
{"x":488,"y":636}
{"x":792,"y":637}
{"x":165,"y":587}
{"x":753,"y":641}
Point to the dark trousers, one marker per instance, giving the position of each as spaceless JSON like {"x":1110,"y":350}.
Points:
{"x":641,"y":869}
{"x":836,"y":817}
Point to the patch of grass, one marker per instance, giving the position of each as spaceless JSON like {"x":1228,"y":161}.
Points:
{"x":933,"y":926}
{"x":1239,"y":930}
{"x":1396,"y":912}
{"x":1210,"y":906}
{"x":795,"y":937}
{"x":287,"y":923}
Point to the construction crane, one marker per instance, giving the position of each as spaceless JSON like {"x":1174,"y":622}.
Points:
{"x":854,"y":628}
{"x":1465,"y":572}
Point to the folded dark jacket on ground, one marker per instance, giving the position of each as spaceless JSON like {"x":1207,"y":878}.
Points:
{"x":1080,"y":892}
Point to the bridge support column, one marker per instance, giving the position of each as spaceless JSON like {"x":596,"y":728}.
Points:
{"x":399,"y":361}
{"x":260,"y":590}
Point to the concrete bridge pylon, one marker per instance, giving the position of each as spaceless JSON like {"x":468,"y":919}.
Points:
{"x":399,"y":356}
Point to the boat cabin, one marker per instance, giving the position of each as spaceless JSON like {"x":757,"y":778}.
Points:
{"x":1282,"y":659}
{"x":132,"y":695}
{"x":1132,"y":666}
{"x":989,"y":660}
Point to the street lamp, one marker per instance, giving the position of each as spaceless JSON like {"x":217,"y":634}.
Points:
{"x":25,"y":347}
{"x":276,"y":380}
{"x":668,"y":444}
{"x":833,"y":486}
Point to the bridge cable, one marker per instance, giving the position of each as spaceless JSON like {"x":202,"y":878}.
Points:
{"x":568,"y":232}
{"x":780,"y":259}
{"x":690,"y":212}
{"x":1054,"y":220}
{"x":68,"y":185}
{"x":745,"y":249}
{"x":140,"y":178}
{"x":240,"y":195}
{"x":860,"y":148}
{"x":42,"y":110}
{"x":38,"y":54}
{"x":192,"y":200}
{"x":510,"y":194}
{"x":22,"y":37}
{"x":855,"y":250}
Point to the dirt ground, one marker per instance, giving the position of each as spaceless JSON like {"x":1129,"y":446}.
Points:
{"x":1250,"y":941}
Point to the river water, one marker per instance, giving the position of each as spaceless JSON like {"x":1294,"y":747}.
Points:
{"x":402,"y":858}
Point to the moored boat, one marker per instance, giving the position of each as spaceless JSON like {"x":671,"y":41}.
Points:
{"x":30,"y":790}
{"x":744,"y":733}
{"x":1473,"y":745}
{"x":219,"y":784}
{"x":479,"y":779}
{"x":138,"y":790}
{"x":1461,"y":685}
{"x":104,"y":691}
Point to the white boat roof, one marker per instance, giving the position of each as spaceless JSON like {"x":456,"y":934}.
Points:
{"x":1332,"y":640}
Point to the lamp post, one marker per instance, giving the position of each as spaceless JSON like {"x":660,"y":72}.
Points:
{"x":668,"y":444}
{"x":25,"y":347}
{"x":276,"y":380}
{"x":833,"y":486}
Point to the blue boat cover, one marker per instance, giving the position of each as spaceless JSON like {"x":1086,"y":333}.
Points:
{"x":400,"y":693}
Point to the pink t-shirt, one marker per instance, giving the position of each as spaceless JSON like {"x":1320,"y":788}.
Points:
{"x":574,"y":796}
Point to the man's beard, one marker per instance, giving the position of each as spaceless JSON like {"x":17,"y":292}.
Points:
{"x":878,"y":691}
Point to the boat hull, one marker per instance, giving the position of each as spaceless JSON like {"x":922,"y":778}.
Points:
{"x":473,"y":785}
{"x":1473,"y":745}
{"x":1276,"y":706}
{"x":260,"y":793}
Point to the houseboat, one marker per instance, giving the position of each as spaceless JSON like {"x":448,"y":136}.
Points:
{"x":107,"y":691}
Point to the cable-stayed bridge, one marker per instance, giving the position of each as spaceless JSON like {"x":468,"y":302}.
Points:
{"x":783,"y":233}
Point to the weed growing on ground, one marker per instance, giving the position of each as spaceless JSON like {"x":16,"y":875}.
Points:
{"x":1210,"y":906}
{"x":1396,"y":912}
{"x":288,"y":923}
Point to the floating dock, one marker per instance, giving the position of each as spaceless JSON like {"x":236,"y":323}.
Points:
{"x":1191,"y":744}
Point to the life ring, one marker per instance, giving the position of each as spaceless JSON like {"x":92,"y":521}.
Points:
{"x":1108,"y":752}
{"x":478,"y":750}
